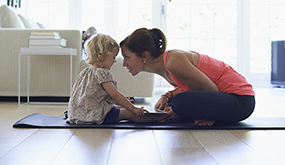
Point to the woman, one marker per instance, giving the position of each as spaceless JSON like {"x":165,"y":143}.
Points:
{"x":206,"y":90}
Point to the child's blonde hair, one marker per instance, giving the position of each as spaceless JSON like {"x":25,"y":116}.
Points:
{"x":98,"y":46}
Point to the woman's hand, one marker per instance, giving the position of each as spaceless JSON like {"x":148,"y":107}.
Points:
{"x":169,"y":116}
{"x":161,"y":103}
{"x":139,"y":111}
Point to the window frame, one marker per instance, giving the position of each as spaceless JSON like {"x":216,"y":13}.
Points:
{"x":159,"y":20}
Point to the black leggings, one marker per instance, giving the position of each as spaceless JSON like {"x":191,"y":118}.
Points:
{"x":218,"y":106}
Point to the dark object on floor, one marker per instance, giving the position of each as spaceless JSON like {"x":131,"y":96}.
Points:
{"x":37,"y":120}
{"x":65,"y":114}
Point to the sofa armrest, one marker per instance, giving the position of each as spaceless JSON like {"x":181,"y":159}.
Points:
{"x":141,"y":85}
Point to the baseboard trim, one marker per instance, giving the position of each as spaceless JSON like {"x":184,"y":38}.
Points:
{"x":34,"y":99}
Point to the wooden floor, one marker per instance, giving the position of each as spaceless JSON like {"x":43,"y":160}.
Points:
{"x":147,"y":147}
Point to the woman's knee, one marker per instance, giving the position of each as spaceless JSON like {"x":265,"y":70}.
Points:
{"x":177,"y":104}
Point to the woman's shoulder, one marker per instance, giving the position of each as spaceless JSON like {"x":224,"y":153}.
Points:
{"x":177,"y":52}
{"x":174,"y":51}
{"x":173,"y":55}
{"x":176,"y":55}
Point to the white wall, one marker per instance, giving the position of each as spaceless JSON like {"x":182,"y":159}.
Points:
{"x":3,"y":2}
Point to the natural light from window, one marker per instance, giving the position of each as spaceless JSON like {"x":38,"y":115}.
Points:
{"x":219,"y":28}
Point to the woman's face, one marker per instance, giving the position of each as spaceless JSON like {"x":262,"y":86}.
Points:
{"x":133,"y":63}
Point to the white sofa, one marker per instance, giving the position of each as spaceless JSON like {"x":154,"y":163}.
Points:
{"x":141,"y":85}
{"x":50,"y":75}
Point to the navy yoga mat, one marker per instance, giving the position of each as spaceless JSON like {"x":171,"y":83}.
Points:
{"x":37,"y":120}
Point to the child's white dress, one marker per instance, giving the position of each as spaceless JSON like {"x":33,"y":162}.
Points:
{"x":89,"y":103}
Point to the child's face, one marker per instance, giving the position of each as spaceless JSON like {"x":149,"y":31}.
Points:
{"x":110,"y":60}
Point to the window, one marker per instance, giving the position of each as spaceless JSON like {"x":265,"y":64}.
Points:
{"x":51,"y":12}
{"x":204,"y":26}
{"x":238,"y":32}
{"x":267,"y":24}
{"x":116,"y":17}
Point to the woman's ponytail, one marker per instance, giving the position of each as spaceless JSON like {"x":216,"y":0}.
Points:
{"x":143,"y":39}
{"x":159,"y":40}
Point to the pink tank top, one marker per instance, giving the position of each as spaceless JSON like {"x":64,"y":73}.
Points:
{"x":224,"y":76}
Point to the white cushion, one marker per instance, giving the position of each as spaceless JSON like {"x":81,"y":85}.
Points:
{"x":43,"y":26}
{"x":9,"y":18}
{"x":28,"y":22}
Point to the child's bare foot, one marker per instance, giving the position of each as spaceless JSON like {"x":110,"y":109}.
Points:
{"x":204,"y":122}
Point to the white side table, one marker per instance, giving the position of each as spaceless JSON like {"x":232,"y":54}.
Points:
{"x":37,"y":52}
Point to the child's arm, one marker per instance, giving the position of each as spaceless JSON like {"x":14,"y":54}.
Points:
{"x":121,"y":99}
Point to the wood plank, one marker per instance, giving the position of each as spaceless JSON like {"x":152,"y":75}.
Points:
{"x":269,"y":103}
{"x":176,"y":139}
{"x":225,"y":148}
{"x":39,"y":148}
{"x":4,"y":106}
{"x":278,"y":133}
{"x":58,"y":146}
{"x":9,"y":114}
{"x":131,"y":147}
{"x":266,"y":144}
{"x":181,"y":147}
{"x":11,"y":138}
{"x":87,"y":146}
{"x":186,"y":156}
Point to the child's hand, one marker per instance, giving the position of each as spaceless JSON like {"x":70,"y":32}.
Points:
{"x":139,"y":111}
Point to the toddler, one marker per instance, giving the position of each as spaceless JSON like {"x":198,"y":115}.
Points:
{"x":95,"y":93}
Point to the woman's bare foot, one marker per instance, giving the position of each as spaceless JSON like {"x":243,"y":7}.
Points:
{"x":204,"y":122}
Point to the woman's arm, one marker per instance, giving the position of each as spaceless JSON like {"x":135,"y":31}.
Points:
{"x":172,"y":93}
{"x":182,"y":68}
{"x":121,"y":99}
{"x":162,"y":102}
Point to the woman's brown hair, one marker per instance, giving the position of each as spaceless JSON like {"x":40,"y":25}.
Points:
{"x":143,"y":39}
